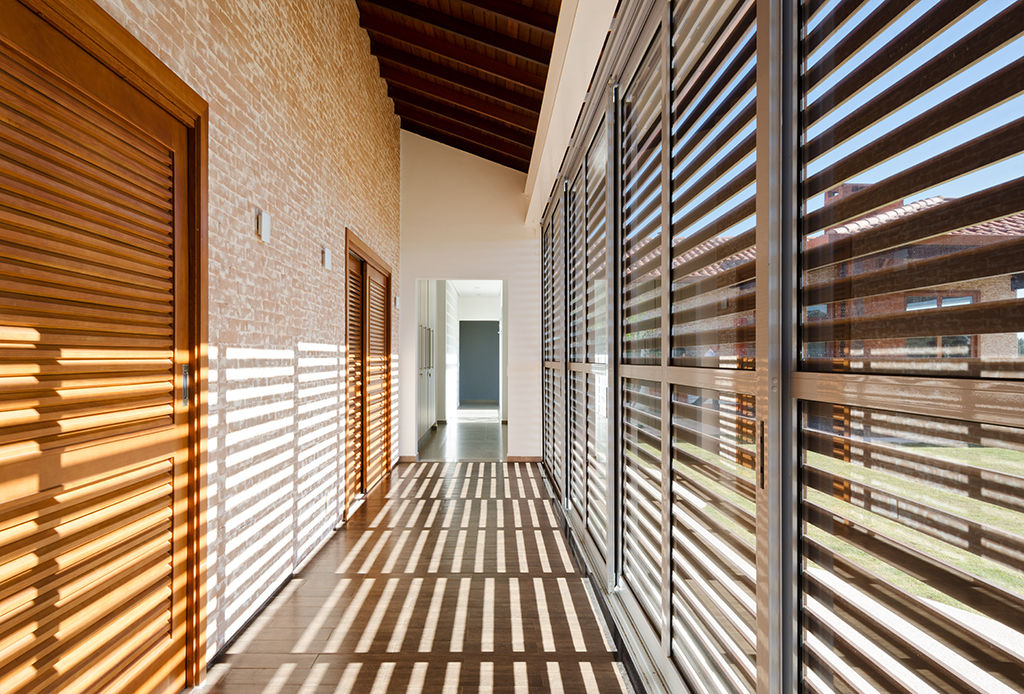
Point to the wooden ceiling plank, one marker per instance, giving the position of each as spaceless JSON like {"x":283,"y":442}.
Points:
{"x":523,"y":119}
{"x":407,"y":98}
{"x":401,"y":58}
{"x":466,"y":146}
{"x":468,"y":30}
{"x":531,"y":16}
{"x":380,"y":26}
{"x":461,"y":130}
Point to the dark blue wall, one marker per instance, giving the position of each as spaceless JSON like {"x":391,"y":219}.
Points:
{"x":479,"y":362}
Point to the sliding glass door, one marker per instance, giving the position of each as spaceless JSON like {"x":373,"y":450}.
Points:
{"x":785,"y":421}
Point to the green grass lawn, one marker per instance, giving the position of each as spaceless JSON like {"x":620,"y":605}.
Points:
{"x":936,"y":496}
{"x":933,"y":495}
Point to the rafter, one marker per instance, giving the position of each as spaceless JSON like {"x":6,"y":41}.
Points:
{"x":463,"y":131}
{"x":467,"y":146}
{"x":396,"y":57}
{"x":379,"y":26}
{"x":468,"y":30}
{"x":517,"y":12}
{"x":514,"y":116}
{"x":405,"y":97}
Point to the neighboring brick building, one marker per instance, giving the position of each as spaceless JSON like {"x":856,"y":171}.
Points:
{"x":964,"y":246}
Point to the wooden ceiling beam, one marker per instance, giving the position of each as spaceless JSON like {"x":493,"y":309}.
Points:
{"x":380,"y":26}
{"x":407,"y":98}
{"x":531,"y":16}
{"x":467,"y":30}
{"x":466,"y":146}
{"x":463,"y":131}
{"x":401,"y":58}
{"x":518,"y":117}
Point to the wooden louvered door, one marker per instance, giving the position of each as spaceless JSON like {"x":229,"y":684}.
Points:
{"x":368,"y":344}
{"x":354,"y":320}
{"x":93,"y":339}
{"x":378,"y":383}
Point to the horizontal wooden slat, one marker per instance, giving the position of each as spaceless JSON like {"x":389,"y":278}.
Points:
{"x":971,"y":319}
{"x":979,"y":42}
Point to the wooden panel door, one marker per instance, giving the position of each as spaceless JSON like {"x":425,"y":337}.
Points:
{"x":355,"y":317}
{"x":93,"y":337}
{"x":378,"y":381}
{"x":368,"y":371}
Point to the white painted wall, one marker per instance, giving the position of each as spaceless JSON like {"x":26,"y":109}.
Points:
{"x":426,"y":383}
{"x":451,"y":361}
{"x":441,"y":349}
{"x":479,"y":307}
{"x":504,"y":351}
{"x":583,"y":26}
{"x":462,"y":218}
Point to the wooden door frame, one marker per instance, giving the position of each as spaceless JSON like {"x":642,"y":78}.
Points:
{"x":356,"y":246}
{"x":97,"y":33}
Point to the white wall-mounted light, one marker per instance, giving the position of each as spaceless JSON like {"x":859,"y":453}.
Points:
{"x":325,"y":258}
{"x":263,"y":225}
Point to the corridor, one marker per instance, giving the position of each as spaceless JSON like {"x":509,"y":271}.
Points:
{"x":456,"y":578}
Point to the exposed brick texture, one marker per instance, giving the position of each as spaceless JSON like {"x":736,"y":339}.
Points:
{"x":301,"y":126}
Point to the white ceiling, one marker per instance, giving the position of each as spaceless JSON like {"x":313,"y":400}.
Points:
{"x":477,"y":287}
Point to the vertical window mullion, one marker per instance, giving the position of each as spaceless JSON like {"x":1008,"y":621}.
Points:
{"x":564,"y":355}
{"x":776,"y":219}
{"x":613,"y":491}
{"x":666,"y":325}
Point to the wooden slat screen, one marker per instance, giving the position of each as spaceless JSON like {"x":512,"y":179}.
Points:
{"x":642,"y":503}
{"x":547,"y":394}
{"x":558,"y":442}
{"x":913,"y":552}
{"x":558,"y":284}
{"x":576,"y":292}
{"x":93,"y":435}
{"x":547,"y":296}
{"x":597,"y":461}
{"x":378,"y":382}
{"x":558,"y":345}
{"x":354,"y":323}
{"x":713,"y":256}
{"x":858,"y":196}
{"x":577,"y":423}
{"x":641,"y":198}
{"x":912,"y":231}
{"x":596,"y":353}
{"x":713,"y":538}
{"x":912,"y":227}
{"x":553,"y":300}
{"x":576,"y":286}
{"x":596,"y":239}
{"x":546,"y":347}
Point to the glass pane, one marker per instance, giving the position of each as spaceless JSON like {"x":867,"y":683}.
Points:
{"x":641,"y":213}
{"x":713,"y":538}
{"x":577,"y":440}
{"x":597,"y":457}
{"x":713,"y":163}
{"x":913,"y":552}
{"x":913,"y":220}
{"x":577,"y":265}
{"x":642,"y":502}
{"x":597,"y":252}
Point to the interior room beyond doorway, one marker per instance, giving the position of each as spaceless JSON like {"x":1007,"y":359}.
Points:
{"x":462,"y":385}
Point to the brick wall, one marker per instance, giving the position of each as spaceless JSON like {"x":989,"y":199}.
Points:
{"x":300,"y":126}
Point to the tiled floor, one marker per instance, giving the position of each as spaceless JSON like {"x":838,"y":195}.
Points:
{"x":469,"y":434}
{"x":456,"y":579}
